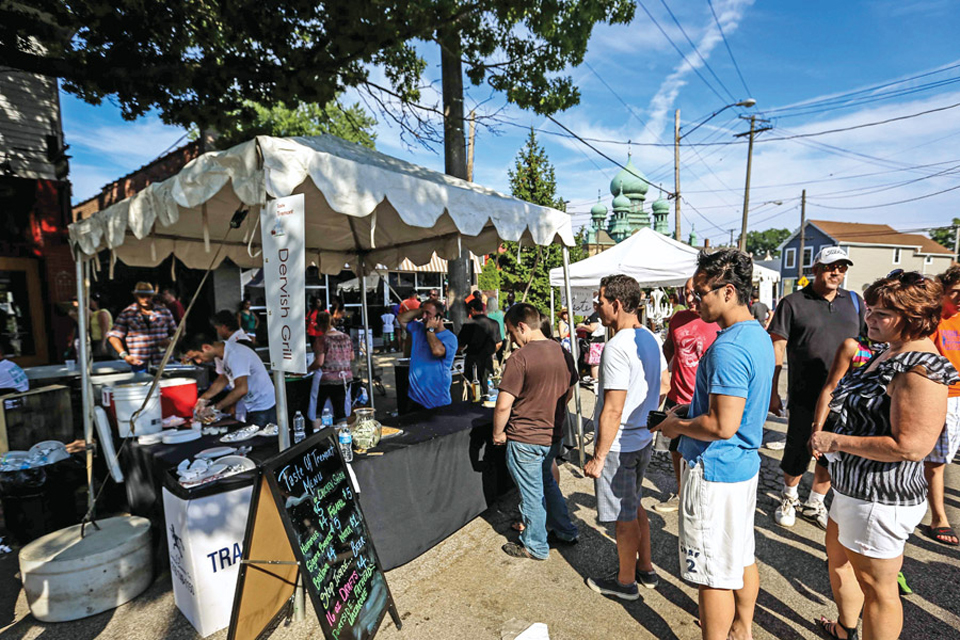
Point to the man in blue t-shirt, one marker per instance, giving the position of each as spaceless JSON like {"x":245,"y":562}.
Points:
{"x":431,"y":355}
{"x":719,"y":441}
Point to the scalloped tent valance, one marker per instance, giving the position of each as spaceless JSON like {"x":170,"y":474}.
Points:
{"x":358,"y":202}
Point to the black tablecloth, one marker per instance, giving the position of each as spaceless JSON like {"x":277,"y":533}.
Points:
{"x":431,"y":480}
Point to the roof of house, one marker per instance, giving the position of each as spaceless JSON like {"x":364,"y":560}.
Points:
{"x":879,"y":234}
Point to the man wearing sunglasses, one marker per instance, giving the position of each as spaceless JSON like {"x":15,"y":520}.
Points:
{"x":808,"y":327}
{"x":143,"y":330}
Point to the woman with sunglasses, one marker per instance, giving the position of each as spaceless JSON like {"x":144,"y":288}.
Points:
{"x":890,"y":413}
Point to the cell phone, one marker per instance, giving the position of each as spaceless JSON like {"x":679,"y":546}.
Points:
{"x":655,"y":417}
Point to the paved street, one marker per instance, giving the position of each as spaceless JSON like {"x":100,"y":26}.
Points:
{"x":466,"y":588}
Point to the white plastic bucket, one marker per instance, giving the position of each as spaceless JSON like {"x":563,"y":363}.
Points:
{"x":127,"y":399}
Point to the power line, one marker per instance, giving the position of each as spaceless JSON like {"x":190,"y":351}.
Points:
{"x":696,"y":50}
{"x":670,"y":40}
{"x":866,"y":124}
{"x":730,"y":51}
{"x":623,"y":102}
{"x":889,"y":204}
{"x":848,"y":104}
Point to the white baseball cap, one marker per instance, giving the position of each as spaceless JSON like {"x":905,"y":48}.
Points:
{"x":829,"y":255}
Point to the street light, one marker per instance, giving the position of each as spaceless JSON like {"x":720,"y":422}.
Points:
{"x":749,"y":102}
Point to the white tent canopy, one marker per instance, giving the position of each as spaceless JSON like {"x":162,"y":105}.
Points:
{"x":651,"y":258}
{"x":358,"y":202}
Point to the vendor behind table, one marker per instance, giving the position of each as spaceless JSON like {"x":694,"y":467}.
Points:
{"x":243,"y":369}
{"x":142,"y":330}
{"x":433,"y":349}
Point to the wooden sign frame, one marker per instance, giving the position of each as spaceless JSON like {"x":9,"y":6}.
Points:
{"x":272,"y":557}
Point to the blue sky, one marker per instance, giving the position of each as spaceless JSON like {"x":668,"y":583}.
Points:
{"x":789,"y":53}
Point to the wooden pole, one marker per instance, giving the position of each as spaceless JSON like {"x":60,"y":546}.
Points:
{"x":676,"y":176}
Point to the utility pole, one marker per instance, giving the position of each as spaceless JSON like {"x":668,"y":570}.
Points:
{"x":803,"y":231}
{"x":746,"y":190}
{"x":455,"y":159}
{"x":676,"y":175}
{"x":956,"y":243}
{"x":473,"y":134}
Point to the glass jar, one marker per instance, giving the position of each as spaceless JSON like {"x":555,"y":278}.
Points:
{"x":366,"y":430}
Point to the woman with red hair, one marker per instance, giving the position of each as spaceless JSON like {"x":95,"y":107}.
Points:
{"x":891,"y":412}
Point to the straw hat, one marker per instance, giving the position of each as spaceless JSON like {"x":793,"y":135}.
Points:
{"x":144,"y":288}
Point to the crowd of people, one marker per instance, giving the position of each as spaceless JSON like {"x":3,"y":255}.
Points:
{"x":872,"y":384}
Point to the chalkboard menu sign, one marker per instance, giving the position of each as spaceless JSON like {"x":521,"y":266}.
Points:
{"x":306,"y":491}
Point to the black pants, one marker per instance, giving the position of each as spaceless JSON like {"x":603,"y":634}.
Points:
{"x":263,"y":418}
{"x":337,"y":394}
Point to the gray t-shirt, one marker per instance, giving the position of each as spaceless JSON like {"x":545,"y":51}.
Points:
{"x":760,"y":311}
{"x":814,"y":328}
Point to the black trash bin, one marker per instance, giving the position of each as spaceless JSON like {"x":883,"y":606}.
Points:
{"x":40,"y":500}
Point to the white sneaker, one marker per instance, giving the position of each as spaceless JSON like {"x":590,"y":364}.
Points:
{"x":815,"y":511}
{"x":671,"y":504}
{"x":786,"y":513}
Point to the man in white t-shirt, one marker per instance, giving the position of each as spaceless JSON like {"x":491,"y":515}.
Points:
{"x":12,"y":377}
{"x":632,"y":379}
{"x":388,"y":320}
{"x":243,"y":369}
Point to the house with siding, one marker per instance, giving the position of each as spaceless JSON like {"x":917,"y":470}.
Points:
{"x":875,"y":249}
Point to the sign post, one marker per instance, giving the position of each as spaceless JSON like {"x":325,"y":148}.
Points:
{"x":306,"y":524}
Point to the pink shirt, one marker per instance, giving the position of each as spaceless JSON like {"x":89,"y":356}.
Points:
{"x":690,"y":337}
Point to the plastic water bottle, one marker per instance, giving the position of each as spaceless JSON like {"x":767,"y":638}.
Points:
{"x":345,"y":439}
{"x":362,"y":398}
{"x":326,"y":417}
{"x":492,"y":391}
{"x":299,"y":432}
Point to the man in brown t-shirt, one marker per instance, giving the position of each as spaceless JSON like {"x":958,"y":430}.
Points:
{"x":529,"y":416}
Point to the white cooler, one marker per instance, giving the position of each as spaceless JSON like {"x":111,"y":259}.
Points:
{"x":205,"y":542}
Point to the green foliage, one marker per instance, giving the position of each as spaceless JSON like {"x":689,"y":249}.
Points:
{"x":199,"y":62}
{"x":533,"y":179}
{"x":489,"y":278}
{"x":946,"y":236}
{"x":352,"y":123}
{"x":759,"y":242}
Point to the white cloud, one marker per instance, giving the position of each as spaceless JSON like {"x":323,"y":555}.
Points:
{"x":133,"y":142}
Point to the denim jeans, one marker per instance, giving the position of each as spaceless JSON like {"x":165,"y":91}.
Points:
{"x":542,"y":506}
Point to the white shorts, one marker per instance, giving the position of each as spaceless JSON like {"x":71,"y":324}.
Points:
{"x":872,"y":529}
{"x":946,"y":447}
{"x":716,"y":529}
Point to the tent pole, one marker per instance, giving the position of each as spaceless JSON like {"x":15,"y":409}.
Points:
{"x":85,"y":396}
{"x":367,"y":336}
{"x":573,"y":350}
{"x":552,"y":319}
{"x":283,"y":421}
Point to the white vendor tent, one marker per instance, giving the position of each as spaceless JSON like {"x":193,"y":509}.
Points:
{"x":362,"y":209}
{"x":653,"y":260}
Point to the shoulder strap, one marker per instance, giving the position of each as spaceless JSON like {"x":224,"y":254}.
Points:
{"x":855,"y":299}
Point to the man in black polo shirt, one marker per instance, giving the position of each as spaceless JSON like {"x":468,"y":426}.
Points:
{"x":809,"y":327}
{"x":480,"y":338}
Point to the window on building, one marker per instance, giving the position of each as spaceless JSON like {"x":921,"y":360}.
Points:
{"x":807,"y":257}
{"x":790,"y":258}
{"x":896,"y":256}
{"x":928,"y":260}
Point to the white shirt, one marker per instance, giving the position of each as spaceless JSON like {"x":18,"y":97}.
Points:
{"x":388,"y":319}
{"x":13,"y":377}
{"x":236,"y":335}
{"x":240,"y":360}
{"x":632,"y":361}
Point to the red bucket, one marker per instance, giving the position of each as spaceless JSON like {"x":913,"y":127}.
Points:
{"x":178,"y":396}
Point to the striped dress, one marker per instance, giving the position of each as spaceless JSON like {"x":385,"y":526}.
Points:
{"x":863,"y":406}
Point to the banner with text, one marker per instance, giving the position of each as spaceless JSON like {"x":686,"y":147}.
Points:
{"x":284,"y":279}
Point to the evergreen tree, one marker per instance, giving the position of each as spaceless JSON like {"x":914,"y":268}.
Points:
{"x":533,"y":179}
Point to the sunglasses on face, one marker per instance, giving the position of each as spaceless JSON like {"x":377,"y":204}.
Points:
{"x":909,"y":278}
{"x":700,"y":296}
{"x":836,"y":266}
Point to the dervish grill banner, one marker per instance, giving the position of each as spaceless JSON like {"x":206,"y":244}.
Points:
{"x":284,"y":279}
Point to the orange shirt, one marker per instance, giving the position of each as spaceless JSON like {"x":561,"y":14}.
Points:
{"x":947,"y":339}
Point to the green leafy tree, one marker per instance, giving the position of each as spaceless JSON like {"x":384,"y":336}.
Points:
{"x":946,"y":236}
{"x":759,"y":242}
{"x":352,"y":123}
{"x":489,"y":278}
{"x":199,"y":62}
{"x":533,"y":179}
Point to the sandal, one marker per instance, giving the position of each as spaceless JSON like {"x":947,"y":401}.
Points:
{"x":829,"y":628}
{"x":517,"y":526}
{"x":943,"y":535}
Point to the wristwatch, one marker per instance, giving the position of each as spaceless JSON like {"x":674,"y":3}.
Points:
{"x":431,"y":330}
{"x":123,"y":355}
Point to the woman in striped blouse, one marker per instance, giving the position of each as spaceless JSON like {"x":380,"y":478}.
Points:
{"x":890,"y":413}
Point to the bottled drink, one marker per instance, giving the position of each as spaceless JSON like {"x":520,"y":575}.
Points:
{"x":475,"y":386}
{"x":326,"y":417}
{"x":492,"y":391}
{"x":299,"y":432}
{"x":345,"y":439}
